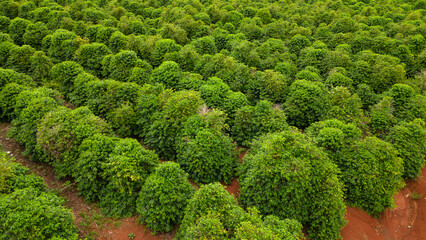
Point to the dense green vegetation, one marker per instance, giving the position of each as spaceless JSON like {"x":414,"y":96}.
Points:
{"x":328,"y":95}
{"x":27,"y":211}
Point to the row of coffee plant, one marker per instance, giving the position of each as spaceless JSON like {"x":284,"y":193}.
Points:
{"x":27,"y":209}
{"x":124,"y":177}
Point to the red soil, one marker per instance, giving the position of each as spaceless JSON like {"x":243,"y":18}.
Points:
{"x":406,"y":221}
{"x":131,"y":226}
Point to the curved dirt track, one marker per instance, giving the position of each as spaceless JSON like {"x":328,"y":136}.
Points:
{"x":407,"y":221}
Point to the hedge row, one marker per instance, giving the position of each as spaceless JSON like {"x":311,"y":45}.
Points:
{"x":27,"y":210}
{"x":113,"y":170}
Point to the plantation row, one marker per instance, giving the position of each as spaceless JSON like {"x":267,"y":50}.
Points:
{"x":194,"y":79}
{"x":27,"y":210}
{"x":113,"y":171}
{"x":288,"y":163}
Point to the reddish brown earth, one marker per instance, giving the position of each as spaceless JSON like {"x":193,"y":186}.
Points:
{"x":407,"y":221}
{"x":129,"y":226}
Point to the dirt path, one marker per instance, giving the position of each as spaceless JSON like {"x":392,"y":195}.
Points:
{"x":407,"y":221}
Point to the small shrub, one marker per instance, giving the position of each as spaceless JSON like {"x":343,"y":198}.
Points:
{"x":90,"y":56}
{"x":211,"y":198}
{"x":93,"y":154}
{"x":410,"y":141}
{"x":8,"y":100}
{"x":61,"y":132}
{"x":415,"y":195}
{"x":31,"y":214}
{"x":64,"y":74}
{"x":214,"y":214}
{"x":209,"y":157}
{"x":20,"y":58}
{"x":168,"y":73}
{"x":306,"y":103}
{"x":382,"y":117}
{"x":166,"y":125}
{"x":372,"y":173}
{"x":126,"y":169}
{"x":287,"y":176}
{"x":251,"y":122}
{"x":24,"y":127}
{"x":123,"y":120}
{"x":162,"y":213}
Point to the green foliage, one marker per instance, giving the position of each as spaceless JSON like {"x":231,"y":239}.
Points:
{"x":93,"y":154}
{"x":175,"y":110}
{"x":209,"y":157}
{"x":205,"y":45}
{"x":309,"y":75}
{"x":286,"y":175}
{"x":338,"y":79}
{"x":61,"y":45}
{"x":407,"y":104}
{"x":359,"y":62}
{"x":40,"y":66}
{"x":119,"y":66}
{"x":34,"y":34}
{"x":79,"y":95}
{"x":117,"y":42}
{"x":126,"y":169}
{"x":8,"y":96}
{"x":141,"y":75}
{"x":146,"y":107}
{"x":31,"y":214}
{"x":206,"y":227}
{"x":409,"y":138}
{"x":268,"y":85}
{"x":382,"y":118}
{"x":161,"y":48}
{"x":347,"y":107}
{"x":324,"y":132}
{"x":270,"y":228}
{"x":14,"y":176}
{"x":90,"y":56}
{"x":214,"y":92}
{"x":61,"y":132}
{"x":24,"y":127}
{"x":368,"y":97}
{"x":211,"y":198}
{"x":4,"y":51}
{"x":123,"y":120}
{"x":17,"y":29}
{"x":313,"y":56}
{"x":64,"y":74}
{"x":10,"y":76}
{"x":214,"y":214}
{"x":103,"y":97}
{"x":401,"y":95}
{"x":306,"y":103}
{"x":6,"y":172}
{"x":380,"y":72}
{"x":4,"y":23}
{"x":168,"y":73}
{"x":251,"y":122}
{"x":372,"y":174}
{"x":19,"y":58}
{"x":162,"y":213}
